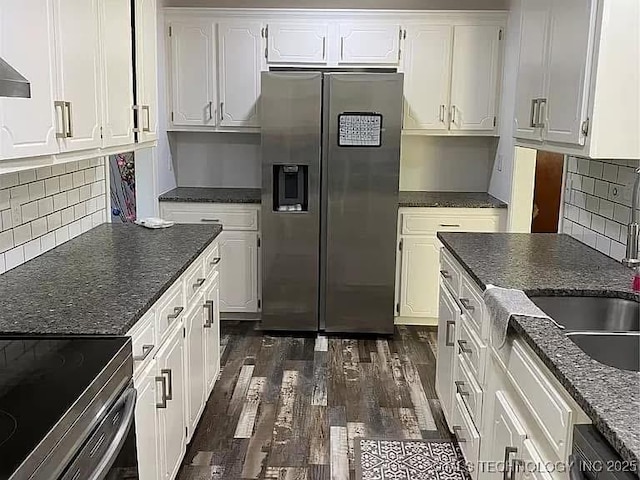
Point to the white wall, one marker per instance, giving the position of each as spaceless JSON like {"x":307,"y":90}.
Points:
{"x":502,"y":174}
{"x":381,"y":4}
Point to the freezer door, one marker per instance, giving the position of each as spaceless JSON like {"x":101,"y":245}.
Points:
{"x":361,"y":168}
{"x":291,"y":143}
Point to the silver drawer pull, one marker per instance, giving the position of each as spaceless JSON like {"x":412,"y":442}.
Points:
{"x":169,"y":374}
{"x":209,"y":321}
{"x":215,"y":261}
{"x":176,"y":313}
{"x":210,"y":220}
{"x":199,"y":283}
{"x":447,"y":337}
{"x":449,"y":225}
{"x":456,"y":431}
{"x":467,"y":306}
{"x":508,"y":473}
{"x":463,"y":347}
{"x":163,"y":392}
{"x":146,"y":350}
{"x":445,"y":274}
{"x":460,"y":388}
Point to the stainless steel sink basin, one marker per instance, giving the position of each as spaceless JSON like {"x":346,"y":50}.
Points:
{"x":618,"y":350}
{"x":592,"y":313}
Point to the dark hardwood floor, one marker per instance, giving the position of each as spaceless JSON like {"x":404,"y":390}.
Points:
{"x":289,"y":407}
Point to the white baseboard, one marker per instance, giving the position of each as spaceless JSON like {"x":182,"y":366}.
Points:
{"x":425,"y":321}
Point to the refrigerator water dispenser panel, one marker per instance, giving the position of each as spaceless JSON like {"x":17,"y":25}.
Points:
{"x":290,"y":188}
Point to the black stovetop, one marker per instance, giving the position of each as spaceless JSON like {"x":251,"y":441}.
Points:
{"x":40,"y":379}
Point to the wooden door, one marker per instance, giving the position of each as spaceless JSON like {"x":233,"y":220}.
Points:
{"x":547,"y":192}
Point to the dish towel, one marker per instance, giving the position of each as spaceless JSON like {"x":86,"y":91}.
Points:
{"x":501,"y":304}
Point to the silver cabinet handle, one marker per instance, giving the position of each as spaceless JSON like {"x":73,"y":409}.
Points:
{"x":508,"y":472}
{"x":176,"y":313}
{"x":221,"y":111}
{"x":542,"y":102}
{"x":324,"y":48}
{"x":215,"y":261}
{"x":443,"y":112}
{"x":463,"y":347}
{"x":163,"y":392}
{"x":63,"y":120}
{"x":460,"y":388}
{"x":534,"y":108}
{"x":445,"y":274}
{"x":450,"y":225}
{"x":136,"y":110}
{"x":210,"y":220}
{"x":447,"y":339}
{"x":146,"y":350}
{"x":210,"y":107}
{"x":456,"y":429}
{"x":145,"y":108}
{"x":199,"y":283}
{"x":209,"y":306}
{"x":69,"y":120}
{"x":169,"y":374}
{"x":341,"y":48}
{"x":453,"y":114}
{"x":467,"y":306}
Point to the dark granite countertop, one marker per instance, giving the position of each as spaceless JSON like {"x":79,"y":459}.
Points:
{"x":99,"y":283}
{"x":406,"y":198}
{"x":549,"y":264}
{"x":212,"y":195}
{"x":449,"y":199}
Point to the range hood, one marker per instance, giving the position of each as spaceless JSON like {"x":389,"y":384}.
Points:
{"x":12,"y":84}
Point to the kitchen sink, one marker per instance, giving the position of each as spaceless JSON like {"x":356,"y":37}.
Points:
{"x":619,"y":350}
{"x":580,"y":314}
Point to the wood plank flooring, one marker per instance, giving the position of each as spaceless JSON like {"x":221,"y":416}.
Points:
{"x":289,"y":407}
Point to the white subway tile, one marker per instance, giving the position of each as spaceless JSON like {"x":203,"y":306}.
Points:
{"x":62,"y":235}
{"x":48,"y":241}
{"x":566,"y":226}
{"x":70,"y":167}
{"x":9,"y":180}
{"x":43,"y":172}
{"x":78,"y":179}
{"x":626,"y":175}
{"x":45,"y":206}
{"x":54,"y":221}
{"x":579,"y":199}
{"x":67,"y":216}
{"x":79,"y":211}
{"x":589,"y":237}
{"x":32,"y":249}
{"x":14,"y":257}
{"x":606,"y":208}
{"x":603,"y":244}
{"x":73,"y":196}
{"x":85,"y":192}
{"x":598,"y":223}
{"x":577,"y":231}
{"x":97,"y":188}
{"x":624,"y":231}
{"x":91,"y":205}
{"x":585,"y":218}
{"x":97,"y":218}
{"x":75,"y":229}
{"x":102,"y":202}
{"x":618,"y":250}
{"x":39,"y":227}
{"x":573,"y":213}
{"x":573,"y":164}
{"x":22,"y":234}
{"x":20,"y":193}
{"x":27,"y":176}
{"x":621,"y":213}
{"x":593,"y":204}
{"x":66,"y":182}
{"x":6,"y":240}
{"x":612,"y":229}
{"x":57,"y":169}
{"x":588,"y":185}
{"x":82,"y":164}
{"x":90,"y":175}
{"x":87,"y":224}
{"x":51,"y":186}
{"x":610,"y":172}
{"x":583,"y":166}
{"x":100,"y":173}
{"x":16,"y":212}
{"x":615,"y":193}
{"x":7,"y":221}
{"x":3,"y":267}
{"x":93,"y":162}
{"x":576,"y":181}
{"x":29,"y":211}
{"x":602,"y":189}
{"x":5,"y":196}
{"x":36,"y":190}
{"x":596,"y":169}
{"x":60,"y":201}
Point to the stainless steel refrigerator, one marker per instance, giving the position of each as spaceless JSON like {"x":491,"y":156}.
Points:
{"x":330,"y":174}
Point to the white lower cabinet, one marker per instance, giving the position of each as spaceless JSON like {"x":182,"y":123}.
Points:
{"x":195,"y":363}
{"x":507,"y":434}
{"x":212,"y":333}
{"x":419,"y":292}
{"x":239,"y":272}
{"x":146,"y":423}
{"x":449,"y":316}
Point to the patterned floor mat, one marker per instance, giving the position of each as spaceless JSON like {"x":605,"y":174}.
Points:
{"x":408,"y":460}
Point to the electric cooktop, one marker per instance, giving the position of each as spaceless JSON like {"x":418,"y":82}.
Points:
{"x":41,"y":378}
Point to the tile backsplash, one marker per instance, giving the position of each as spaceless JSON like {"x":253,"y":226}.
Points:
{"x":45,"y":207}
{"x":597,"y":203}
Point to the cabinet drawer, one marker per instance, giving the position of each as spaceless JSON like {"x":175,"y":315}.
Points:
{"x":467,"y":435}
{"x":422,"y":224}
{"x":544,"y":402}
{"x":230,"y":217}
{"x":473,"y":349}
{"x":171,"y":307}
{"x":211,"y":260}
{"x":143,"y":339}
{"x":193,"y":281}
{"x":469,"y":389}
{"x":450,"y":273}
{"x":472,"y":304}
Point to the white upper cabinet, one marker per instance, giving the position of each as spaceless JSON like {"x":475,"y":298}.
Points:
{"x":193,"y":67}
{"x":28,"y":126}
{"x":146,"y":45}
{"x":78,"y":59}
{"x":290,"y":43}
{"x":426,"y":66}
{"x":531,"y":66}
{"x":475,"y":77}
{"x":116,"y":73}
{"x":369,"y":43}
{"x":241,"y":61}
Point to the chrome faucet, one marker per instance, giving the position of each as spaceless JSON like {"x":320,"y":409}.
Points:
{"x":632,"y":257}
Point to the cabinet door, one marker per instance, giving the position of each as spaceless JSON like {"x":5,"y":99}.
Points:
{"x":241,"y":58}
{"x":297,"y":43}
{"x":531,"y":67}
{"x":195,"y":363}
{"x":535,"y":468}
{"x":78,"y":60}
{"x":369,"y":43}
{"x":239,"y":272}
{"x":507,"y":434}
{"x":427,"y":70}
{"x":419,"y":278}
{"x":146,"y":39}
{"x":212,"y":334}
{"x":570,"y":48}
{"x":448,"y":318}
{"x":475,"y":77}
{"x":193,"y":67}
{"x":28,"y":126}
{"x":146,"y":424}
{"x":116,"y":73}
{"x":171,"y":418}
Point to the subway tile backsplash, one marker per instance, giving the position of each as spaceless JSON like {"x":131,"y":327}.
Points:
{"x":597,"y":203}
{"x":45,"y":207}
